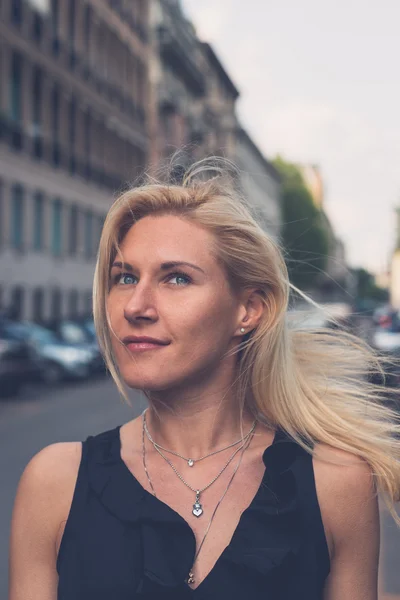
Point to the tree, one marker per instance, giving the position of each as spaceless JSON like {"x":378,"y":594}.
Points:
{"x":304,"y":236}
{"x":367,"y":289}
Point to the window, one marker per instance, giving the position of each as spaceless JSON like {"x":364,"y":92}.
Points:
{"x":38,"y":305}
{"x":71,"y":32}
{"x":73,"y":231}
{"x":100,"y":222}
{"x":56,"y":228}
{"x":89,"y":234}
{"x":37,"y":97}
{"x":55,"y":19}
{"x":17,"y":303}
{"x":87,"y":27}
{"x":1,"y":215}
{"x":17,"y":216}
{"x":72,"y":134}
{"x":88,"y":132}
{"x":73,"y":304}
{"x":37,"y":27}
{"x":55,"y":124}
{"x":71,"y":21}
{"x":38,"y":214}
{"x":56,"y":308}
{"x":87,"y":128}
{"x":55,"y":15}
{"x":55,"y":104}
{"x":16,"y":12}
{"x":88,"y":302}
{"x":16,"y":87}
{"x":37,"y":101}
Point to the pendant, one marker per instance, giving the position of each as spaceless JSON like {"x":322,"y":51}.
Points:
{"x":190,"y":579}
{"x":197,"y":507}
{"x":190,"y":462}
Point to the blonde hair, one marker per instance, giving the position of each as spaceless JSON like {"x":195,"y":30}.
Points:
{"x":314,"y":384}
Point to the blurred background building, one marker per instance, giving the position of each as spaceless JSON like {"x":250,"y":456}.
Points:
{"x":74,"y":98}
{"x":92,"y":92}
{"x":394,"y":282}
{"x":337,"y":281}
{"x":195,"y":110}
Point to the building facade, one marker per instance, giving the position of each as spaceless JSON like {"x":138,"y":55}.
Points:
{"x":337,"y":281}
{"x":260,"y":183}
{"x":195,"y":110}
{"x":394,"y":287}
{"x":74,"y":129}
{"x":178,"y":84}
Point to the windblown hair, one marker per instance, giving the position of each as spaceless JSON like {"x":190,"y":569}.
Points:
{"x":314,"y":384}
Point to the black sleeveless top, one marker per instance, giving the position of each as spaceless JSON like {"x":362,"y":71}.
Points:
{"x":122,"y":543}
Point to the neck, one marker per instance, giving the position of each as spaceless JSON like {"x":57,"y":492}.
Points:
{"x":197,"y":426}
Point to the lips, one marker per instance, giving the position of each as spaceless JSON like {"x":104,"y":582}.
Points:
{"x":144,"y":340}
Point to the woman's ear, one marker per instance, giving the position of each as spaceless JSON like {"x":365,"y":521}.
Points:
{"x":252,"y":309}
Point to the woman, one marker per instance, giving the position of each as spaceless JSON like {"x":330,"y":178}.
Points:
{"x":255,"y":470}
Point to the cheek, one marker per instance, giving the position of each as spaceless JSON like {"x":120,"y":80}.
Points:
{"x":115,"y":314}
{"x":209,"y":320}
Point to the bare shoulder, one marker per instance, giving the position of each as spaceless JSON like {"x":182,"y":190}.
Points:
{"x":48,"y":481}
{"x":52,"y":466}
{"x":42,"y":503}
{"x":341,"y":473}
{"x":345,"y":490}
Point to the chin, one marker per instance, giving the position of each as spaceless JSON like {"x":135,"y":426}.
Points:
{"x":147,"y":382}
{"x":152,"y":381}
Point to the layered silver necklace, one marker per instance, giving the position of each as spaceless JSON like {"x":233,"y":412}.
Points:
{"x":197,"y":509}
{"x":192,"y":461}
{"x":190,"y":579}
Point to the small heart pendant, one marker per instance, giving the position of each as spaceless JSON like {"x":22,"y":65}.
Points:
{"x":190,"y":462}
{"x":197,"y":511}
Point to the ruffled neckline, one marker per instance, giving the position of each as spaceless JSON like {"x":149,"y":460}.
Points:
{"x":168,"y":541}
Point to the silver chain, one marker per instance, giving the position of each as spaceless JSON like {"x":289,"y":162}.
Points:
{"x":192,"y":461}
{"x":190,"y":579}
{"x":195,"y":490}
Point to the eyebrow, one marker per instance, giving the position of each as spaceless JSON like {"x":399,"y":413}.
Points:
{"x":166,"y":266}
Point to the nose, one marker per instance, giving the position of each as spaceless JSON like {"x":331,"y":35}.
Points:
{"x":141,"y":304}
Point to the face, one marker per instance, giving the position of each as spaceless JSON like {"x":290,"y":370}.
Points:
{"x":170,"y":287}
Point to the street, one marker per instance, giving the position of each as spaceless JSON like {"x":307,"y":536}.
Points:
{"x":41,"y":417}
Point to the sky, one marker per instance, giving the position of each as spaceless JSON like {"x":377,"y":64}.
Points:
{"x":320,"y":83}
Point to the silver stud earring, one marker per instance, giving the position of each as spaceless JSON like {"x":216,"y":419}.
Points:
{"x":242,"y":330}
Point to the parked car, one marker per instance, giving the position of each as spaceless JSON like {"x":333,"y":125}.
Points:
{"x":382,"y":315}
{"x":77,"y":335}
{"x":19,"y":362}
{"x":60,"y":359}
{"x":386,"y":339}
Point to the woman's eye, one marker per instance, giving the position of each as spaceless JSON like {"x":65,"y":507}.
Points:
{"x":181,"y":278}
{"x":125,"y":279}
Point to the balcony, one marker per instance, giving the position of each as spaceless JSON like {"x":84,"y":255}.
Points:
{"x":177,"y":51}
